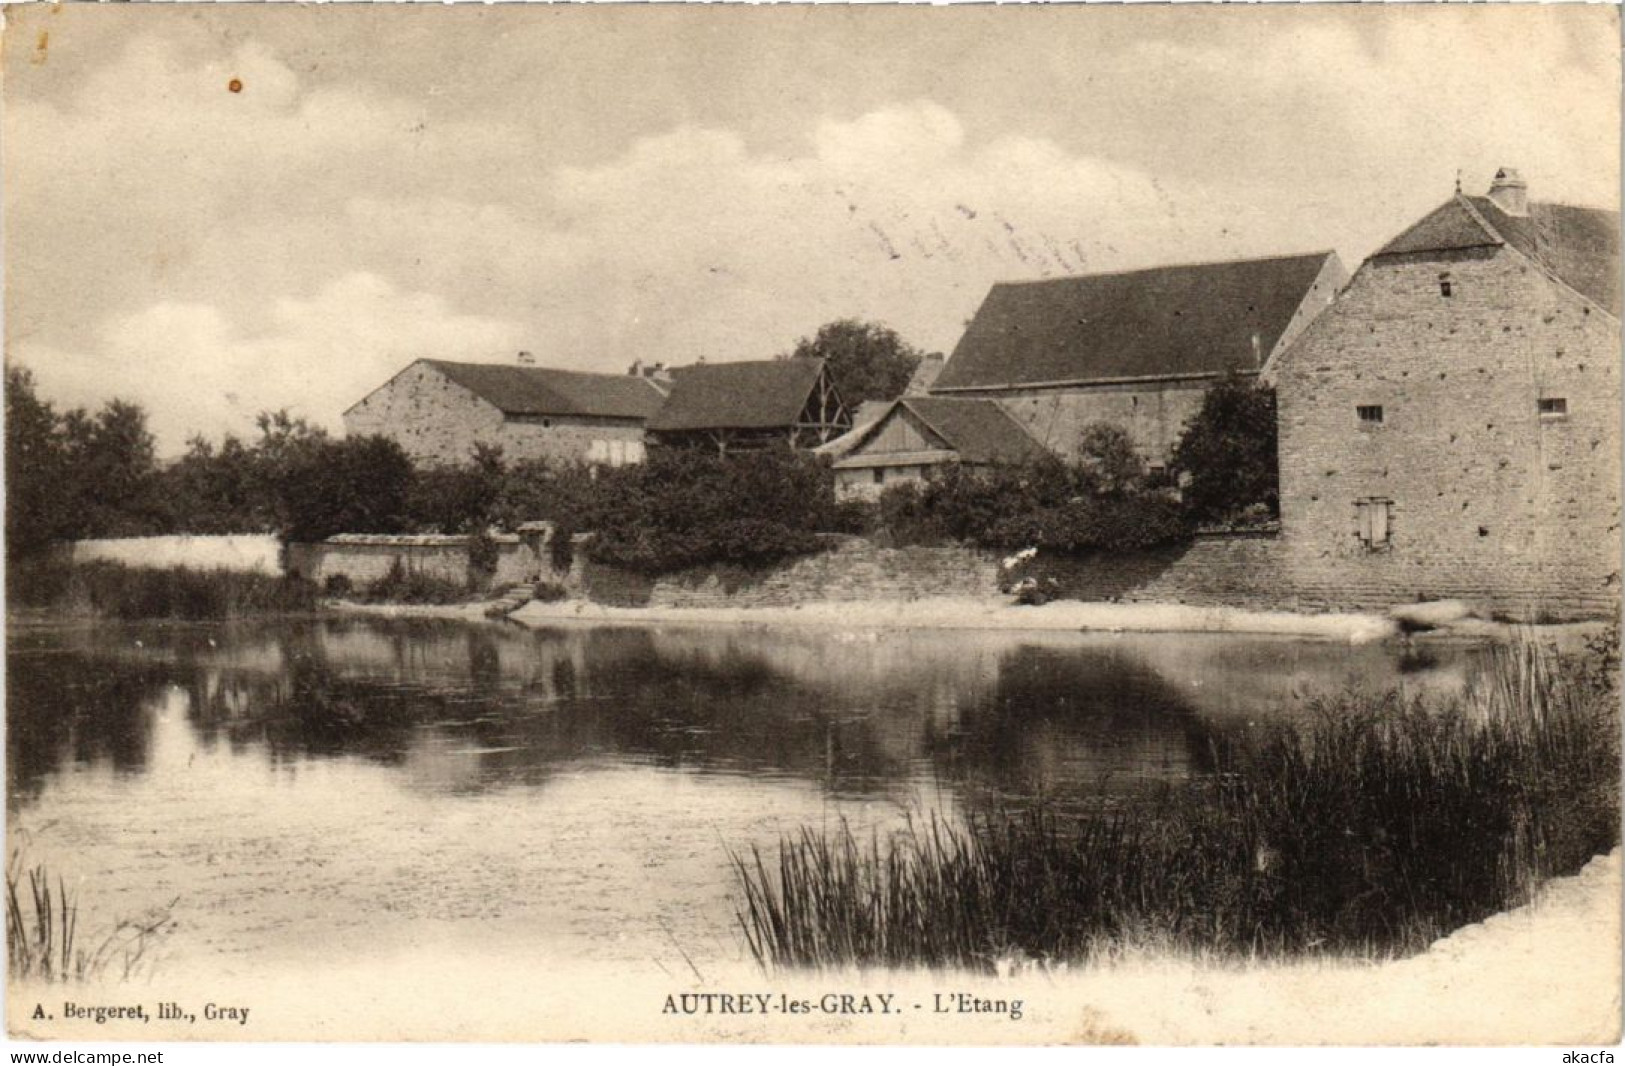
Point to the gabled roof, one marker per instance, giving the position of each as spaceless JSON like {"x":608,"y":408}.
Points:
{"x":977,"y":431}
{"x":1580,"y":245}
{"x":1165,"y":322}
{"x":535,"y":390}
{"x":760,"y":394}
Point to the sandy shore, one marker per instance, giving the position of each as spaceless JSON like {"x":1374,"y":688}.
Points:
{"x":987,"y":614}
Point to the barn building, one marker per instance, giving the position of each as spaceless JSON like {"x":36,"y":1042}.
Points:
{"x":1450,"y":428}
{"x":915,"y":435}
{"x":438,"y":410}
{"x":1135,"y":349}
{"x":754,"y":404}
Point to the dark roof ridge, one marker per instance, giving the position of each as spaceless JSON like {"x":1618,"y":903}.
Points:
{"x":1196,"y":265}
{"x":910,"y":402}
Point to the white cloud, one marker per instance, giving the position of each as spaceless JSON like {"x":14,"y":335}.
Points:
{"x":195,"y":370}
{"x":213,"y":253}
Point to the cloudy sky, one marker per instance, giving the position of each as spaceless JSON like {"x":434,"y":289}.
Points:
{"x":616,"y":182}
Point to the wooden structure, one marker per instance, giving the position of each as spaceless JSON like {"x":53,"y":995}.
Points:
{"x":729,"y":406}
{"x":917,"y":434}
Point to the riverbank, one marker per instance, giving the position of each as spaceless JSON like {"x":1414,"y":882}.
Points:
{"x":1001,"y":614}
{"x":997,"y":614}
{"x":1546,"y":973}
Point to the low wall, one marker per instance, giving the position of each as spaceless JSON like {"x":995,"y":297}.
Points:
{"x":246,"y":552}
{"x":852,"y":569}
{"x":1254,"y":571}
{"x":365,"y":558}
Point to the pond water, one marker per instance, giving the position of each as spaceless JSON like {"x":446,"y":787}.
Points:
{"x":346,"y":788}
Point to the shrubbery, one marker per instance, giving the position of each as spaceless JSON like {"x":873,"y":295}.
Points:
{"x":1046,"y":504}
{"x":105,"y":589}
{"x":683,"y":508}
{"x":1228,"y":455}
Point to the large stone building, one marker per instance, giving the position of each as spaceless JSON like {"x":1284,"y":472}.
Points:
{"x":1450,"y":428}
{"x":1136,"y":349}
{"x":437,"y":411}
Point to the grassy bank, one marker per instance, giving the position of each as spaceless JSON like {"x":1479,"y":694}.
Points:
{"x":102,"y":589}
{"x":1369,"y":831}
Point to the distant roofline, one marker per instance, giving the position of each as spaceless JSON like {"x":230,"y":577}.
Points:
{"x":524,"y":366}
{"x":1195,"y":375}
{"x":1171,"y":266}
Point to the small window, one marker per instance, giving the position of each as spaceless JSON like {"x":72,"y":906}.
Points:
{"x":1445,"y":290}
{"x":1554,"y":407}
{"x":1370,"y":414}
{"x":1373,"y":526}
{"x":880,"y":475}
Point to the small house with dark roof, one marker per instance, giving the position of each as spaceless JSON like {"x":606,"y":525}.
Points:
{"x":754,"y":404}
{"x":438,"y":410}
{"x":1451,"y":426}
{"x":1135,"y":349}
{"x":916,"y":435}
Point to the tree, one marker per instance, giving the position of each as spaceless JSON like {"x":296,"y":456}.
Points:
{"x":38,"y":509}
{"x":76,"y":474}
{"x":1227,"y":455}
{"x":355,"y":485}
{"x":112,"y":467}
{"x":867,"y":361}
{"x":1108,"y":452}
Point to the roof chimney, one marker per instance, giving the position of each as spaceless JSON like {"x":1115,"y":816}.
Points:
{"x":527,"y":359}
{"x":1509,"y":193}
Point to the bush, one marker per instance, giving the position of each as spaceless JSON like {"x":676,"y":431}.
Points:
{"x":1044,"y":504}
{"x":853,"y":517}
{"x":337,"y":586}
{"x":685,"y":508}
{"x":483,"y":556}
{"x":549,"y":592}
{"x":1228,"y":452}
{"x":400,"y":585}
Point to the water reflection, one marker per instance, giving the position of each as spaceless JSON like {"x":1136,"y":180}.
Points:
{"x":458,"y":708}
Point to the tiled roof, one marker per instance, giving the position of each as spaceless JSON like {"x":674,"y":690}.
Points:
{"x":1580,"y":245}
{"x":761,"y":394}
{"x":534,"y":390}
{"x":978,"y":431}
{"x":1168,"y":321}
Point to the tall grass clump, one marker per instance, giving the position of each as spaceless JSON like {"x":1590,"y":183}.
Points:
{"x":43,"y":937}
{"x":401,"y":585}
{"x":113,"y":590}
{"x":1370,"y":830}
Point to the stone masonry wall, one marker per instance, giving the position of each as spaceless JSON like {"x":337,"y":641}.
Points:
{"x":1153,"y":414}
{"x":438,"y":422}
{"x":365,"y":558}
{"x":1491,"y":500}
{"x":853,"y":569}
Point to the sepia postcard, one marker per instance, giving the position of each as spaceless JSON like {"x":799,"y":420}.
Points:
{"x":812,"y":524}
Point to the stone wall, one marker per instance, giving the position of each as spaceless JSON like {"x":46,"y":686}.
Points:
{"x":438,"y":422}
{"x":852,"y":569}
{"x":1251,"y":571}
{"x":1154,"y":414}
{"x":247,"y":552}
{"x":364,"y":558}
{"x":1491,"y":500}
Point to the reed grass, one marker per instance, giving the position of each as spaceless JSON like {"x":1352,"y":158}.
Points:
{"x":108,"y":589}
{"x":1372,"y":829}
{"x":43,"y":939}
